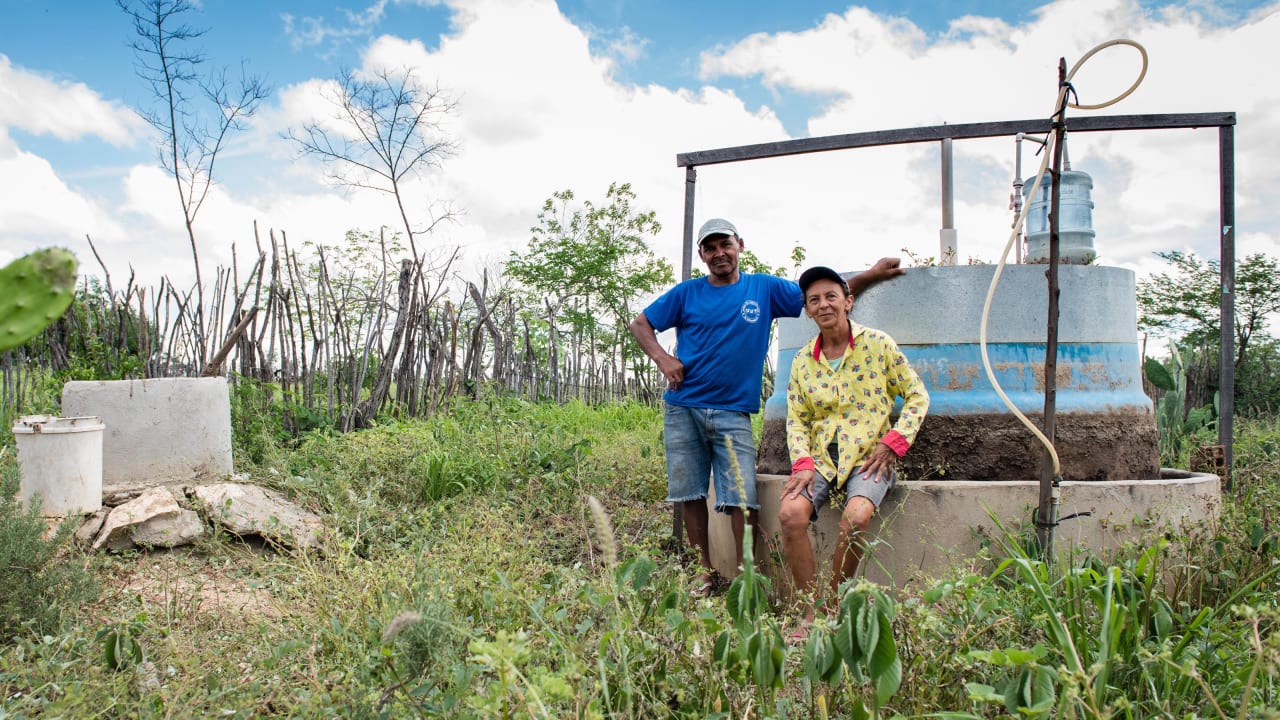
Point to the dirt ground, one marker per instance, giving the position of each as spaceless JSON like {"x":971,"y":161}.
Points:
{"x":187,"y":583}
{"x":1091,"y":446}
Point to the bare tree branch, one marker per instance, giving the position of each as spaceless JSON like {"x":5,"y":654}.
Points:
{"x":384,"y":131}
{"x":192,"y":134}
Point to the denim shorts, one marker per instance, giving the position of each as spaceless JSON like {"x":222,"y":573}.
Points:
{"x":696,"y":450}
{"x":858,"y":485}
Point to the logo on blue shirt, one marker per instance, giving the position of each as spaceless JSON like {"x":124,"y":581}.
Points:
{"x":751,"y":311}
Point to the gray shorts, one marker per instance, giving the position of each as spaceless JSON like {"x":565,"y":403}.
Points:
{"x":858,"y":485}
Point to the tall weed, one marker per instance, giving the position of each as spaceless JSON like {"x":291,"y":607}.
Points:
{"x":1107,"y":641}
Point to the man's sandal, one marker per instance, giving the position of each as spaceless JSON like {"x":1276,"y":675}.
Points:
{"x":706,"y":585}
{"x":799,"y":636}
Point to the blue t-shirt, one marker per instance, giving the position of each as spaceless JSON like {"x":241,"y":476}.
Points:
{"x":722,"y":336}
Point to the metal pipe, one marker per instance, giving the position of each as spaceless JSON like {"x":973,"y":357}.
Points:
{"x":1227,"y":304}
{"x":1018,"y":184}
{"x":686,"y":270}
{"x":690,"y":185}
{"x":1015,"y":202}
{"x":964,"y":131}
{"x":947,"y":235}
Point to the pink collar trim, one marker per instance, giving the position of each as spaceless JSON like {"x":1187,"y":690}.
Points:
{"x":854,"y":331}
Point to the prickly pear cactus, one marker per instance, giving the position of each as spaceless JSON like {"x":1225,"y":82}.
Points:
{"x":35,"y":290}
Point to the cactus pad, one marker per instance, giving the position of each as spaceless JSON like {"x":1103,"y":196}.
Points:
{"x":35,"y":291}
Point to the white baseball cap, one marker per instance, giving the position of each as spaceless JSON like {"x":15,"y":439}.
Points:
{"x":716,"y":226}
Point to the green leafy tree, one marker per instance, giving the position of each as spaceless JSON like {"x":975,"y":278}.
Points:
{"x":1183,"y":304}
{"x":1260,"y":380}
{"x":589,"y":264}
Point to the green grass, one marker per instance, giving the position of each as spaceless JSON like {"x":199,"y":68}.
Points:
{"x":467,"y":577}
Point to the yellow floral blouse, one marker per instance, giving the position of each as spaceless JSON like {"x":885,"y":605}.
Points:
{"x":851,"y":404}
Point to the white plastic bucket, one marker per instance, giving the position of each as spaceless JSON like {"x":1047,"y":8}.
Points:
{"x":61,"y":461}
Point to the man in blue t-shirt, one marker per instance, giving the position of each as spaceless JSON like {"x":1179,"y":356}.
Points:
{"x":722,"y":323}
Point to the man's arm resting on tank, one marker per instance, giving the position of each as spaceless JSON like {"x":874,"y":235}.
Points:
{"x":884,"y":269}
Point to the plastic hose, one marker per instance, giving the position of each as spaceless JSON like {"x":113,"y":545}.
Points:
{"x":1050,"y":141}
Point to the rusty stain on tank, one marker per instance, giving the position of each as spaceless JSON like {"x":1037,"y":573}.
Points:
{"x":961,"y":377}
{"x":1015,"y":367}
{"x":1099,"y":377}
{"x":947,"y":377}
{"x":1062,"y":376}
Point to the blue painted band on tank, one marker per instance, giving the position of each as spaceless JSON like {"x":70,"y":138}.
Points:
{"x":1092,"y":377}
{"x":775,"y":406}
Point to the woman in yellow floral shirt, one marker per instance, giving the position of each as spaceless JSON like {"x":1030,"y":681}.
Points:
{"x":843,"y":387}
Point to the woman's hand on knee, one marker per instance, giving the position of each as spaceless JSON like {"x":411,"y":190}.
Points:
{"x":799,"y":480}
{"x":879,"y":463}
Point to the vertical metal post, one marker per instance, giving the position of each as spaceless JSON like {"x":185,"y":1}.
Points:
{"x":1227,"y":304}
{"x":947,"y":235}
{"x":686,"y":269}
{"x":690,"y":184}
{"x":1015,"y":201}
{"x":1046,"y":510}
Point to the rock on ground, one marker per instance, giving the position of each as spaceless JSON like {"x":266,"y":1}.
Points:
{"x":254,"y":510}
{"x":154,"y":519}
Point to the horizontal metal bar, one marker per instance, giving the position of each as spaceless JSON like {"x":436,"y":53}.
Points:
{"x":1083,"y":123}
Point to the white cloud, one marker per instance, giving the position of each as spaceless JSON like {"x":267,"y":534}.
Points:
{"x":538,"y":111}
{"x":65,"y":110}
{"x":310,"y":31}
{"x":39,"y":209}
{"x":319,"y":30}
{"x":551,"y":117}
{"x":1154,"y":189}
{"x":625,"y":46}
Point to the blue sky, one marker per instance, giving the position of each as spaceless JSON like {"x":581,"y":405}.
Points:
{"x":581,"y":93}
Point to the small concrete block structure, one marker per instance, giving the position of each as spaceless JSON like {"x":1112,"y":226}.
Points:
{"x":924,"y":527}
{"x":160,"y":429}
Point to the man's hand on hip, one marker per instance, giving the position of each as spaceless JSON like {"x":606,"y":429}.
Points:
{"x":673,"y":370}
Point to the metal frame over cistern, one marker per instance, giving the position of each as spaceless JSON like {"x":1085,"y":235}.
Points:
{"x":1223,"y":121}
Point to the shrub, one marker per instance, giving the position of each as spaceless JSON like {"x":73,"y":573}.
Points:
{"x":38,"y":579}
